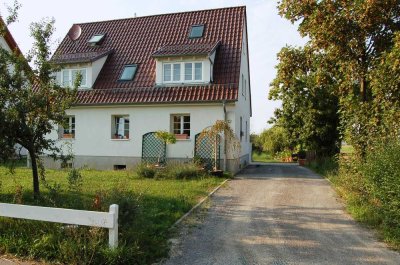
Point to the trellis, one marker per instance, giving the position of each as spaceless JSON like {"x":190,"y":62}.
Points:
{"x":203,"y":150}
{"x":153,"y":149}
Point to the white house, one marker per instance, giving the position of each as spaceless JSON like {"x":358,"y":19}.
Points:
{"x":178,"y":72}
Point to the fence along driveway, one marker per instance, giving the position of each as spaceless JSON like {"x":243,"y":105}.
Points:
{"x":67,"y":216}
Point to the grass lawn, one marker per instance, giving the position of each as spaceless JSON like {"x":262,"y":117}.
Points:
{"x":263,"y":157}
{"x":148,"y":208}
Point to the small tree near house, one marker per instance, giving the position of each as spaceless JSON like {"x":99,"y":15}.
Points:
{"x":31,"y":102}
{"x":210,"y":134}
{"x":167,"y":138}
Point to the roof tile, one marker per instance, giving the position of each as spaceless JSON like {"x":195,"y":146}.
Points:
{"x":135,"y":40}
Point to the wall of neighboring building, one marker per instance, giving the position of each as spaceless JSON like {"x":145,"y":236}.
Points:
{"x":4,"y":44}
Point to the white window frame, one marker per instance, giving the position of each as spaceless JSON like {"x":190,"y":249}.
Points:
{"x":182,"y":72}
{"x":115,"y":124}
{"x":70,"y":130}
{"x":70,"y":81}
{"x":182,"y":127}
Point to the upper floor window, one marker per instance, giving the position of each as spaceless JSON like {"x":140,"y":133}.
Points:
{"x":183,"y":72}
{"x":129,"y":72}
{"x":120,"y":127}
{"x":196,"y":31}
{"x":96,"y":39}
{"x":69,"y":130}
{"x":68,"y":77}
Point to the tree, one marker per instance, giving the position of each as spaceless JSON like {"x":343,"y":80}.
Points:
{"x":165,"y":137}
{"x":354,"y":34}
{"x":306,"y":85}
{"x":31,"y":102}
{"x":274,"y":140}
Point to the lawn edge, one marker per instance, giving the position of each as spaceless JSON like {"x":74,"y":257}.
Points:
{"x":198,"y":204}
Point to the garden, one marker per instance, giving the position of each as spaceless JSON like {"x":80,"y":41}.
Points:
{"x":150,"y":202}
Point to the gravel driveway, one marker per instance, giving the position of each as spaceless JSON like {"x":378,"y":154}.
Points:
{"x":279,"y":214}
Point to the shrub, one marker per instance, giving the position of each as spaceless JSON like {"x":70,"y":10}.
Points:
{"x":382,"y":171}
{"x":180,"y":171}
{"x":75,"y":180}
{"x":145,"y":171}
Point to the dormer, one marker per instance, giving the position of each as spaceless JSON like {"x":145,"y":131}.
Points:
{"x":186,"y":64}
{"x":87,"y":64}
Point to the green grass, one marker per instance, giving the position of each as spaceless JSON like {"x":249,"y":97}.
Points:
{"x":148,"y":208}
{"x":263,"y":157}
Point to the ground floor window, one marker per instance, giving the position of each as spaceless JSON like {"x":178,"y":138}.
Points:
{"x":181,"y":126}
{"x":68,"y":130}
{"x":120,"y":127}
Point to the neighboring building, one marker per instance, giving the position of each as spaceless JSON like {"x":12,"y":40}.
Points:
{"x":177,"y":72}
{"x":8,"y":43}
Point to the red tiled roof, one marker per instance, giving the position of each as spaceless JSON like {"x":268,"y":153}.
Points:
{"x":187,"y":49}
{"x":9,"y":38}
{"x":135,"y":40}
{"x":81,"y":57}
{"x":181,"y":94}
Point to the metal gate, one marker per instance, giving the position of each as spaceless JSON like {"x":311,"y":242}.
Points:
{"x":153,"y":149}
{"x":203,"y":150}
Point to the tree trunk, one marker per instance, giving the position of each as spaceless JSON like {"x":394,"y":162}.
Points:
{"x":363,"y":89}
{"x":35,"y":175}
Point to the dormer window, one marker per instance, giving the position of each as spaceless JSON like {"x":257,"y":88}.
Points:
{"x":183,"y":72}
{"x":128,"y":73}
{"x":196,"y":31}
{"x":96,"y":39}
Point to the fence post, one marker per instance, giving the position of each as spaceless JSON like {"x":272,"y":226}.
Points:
{"x":113,"y":232}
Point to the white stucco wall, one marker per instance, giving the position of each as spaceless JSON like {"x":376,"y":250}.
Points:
{"x":242,"y":108}
{"x":93,"y":128}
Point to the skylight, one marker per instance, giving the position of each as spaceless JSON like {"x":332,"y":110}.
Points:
{"x":96,"y":39}
{"x":129,"y":72}
{"x":196,"y":31}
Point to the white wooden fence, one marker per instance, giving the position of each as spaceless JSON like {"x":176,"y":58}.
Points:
{"x":67,"y":216}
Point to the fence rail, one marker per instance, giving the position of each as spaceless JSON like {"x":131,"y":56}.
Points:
{"x":67,"y":216}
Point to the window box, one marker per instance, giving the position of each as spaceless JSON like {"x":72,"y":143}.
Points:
{"x":68,"y":136}
{"x":183,"y":136}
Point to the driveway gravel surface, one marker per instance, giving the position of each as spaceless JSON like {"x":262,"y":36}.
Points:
{"x":278,"y":214}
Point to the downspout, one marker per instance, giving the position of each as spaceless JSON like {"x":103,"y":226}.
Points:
{"x":225,"y":142}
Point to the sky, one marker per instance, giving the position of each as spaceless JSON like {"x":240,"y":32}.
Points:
{"x":267,"y":31}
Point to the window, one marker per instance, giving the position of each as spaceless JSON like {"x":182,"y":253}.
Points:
{"x":96,"y":39}
{"x":69,"y":130}
{"x":246,"y":132}
{"x":68,"y":77}
{"x":181,"y":126}
{"x":129,"y":72}
{"x":243,"y":81}
{"x":196,"y":31}
{"x":241,"y":129}
{"x":183,"y":72}
{"x":120,"y":127}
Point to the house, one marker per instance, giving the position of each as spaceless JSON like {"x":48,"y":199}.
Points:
{"x":177,"y":72}
{"x":8,"y":43}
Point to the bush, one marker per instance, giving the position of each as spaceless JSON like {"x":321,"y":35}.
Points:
{"x":184,"y":171}
{"x":382,"y":172}
{"x":143,"y":170}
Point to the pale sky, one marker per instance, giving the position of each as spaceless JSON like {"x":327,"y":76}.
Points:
{"x":268,"y":32}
